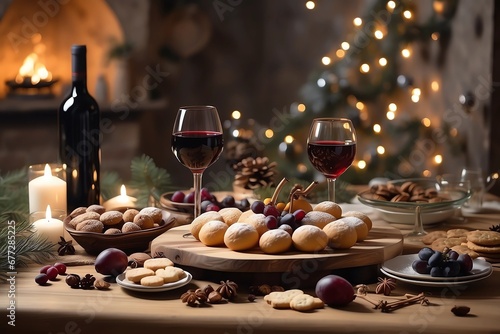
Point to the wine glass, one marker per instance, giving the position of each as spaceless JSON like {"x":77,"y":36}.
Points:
{"x":197,"y":143}
{"x":331,"y":147}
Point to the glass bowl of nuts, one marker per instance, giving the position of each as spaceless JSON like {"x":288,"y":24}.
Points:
{"x":397,"y":200}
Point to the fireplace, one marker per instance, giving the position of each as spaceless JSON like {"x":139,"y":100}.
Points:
{"x":52,"y":26}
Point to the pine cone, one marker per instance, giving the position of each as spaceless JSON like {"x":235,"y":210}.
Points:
{"x":254,"y":173}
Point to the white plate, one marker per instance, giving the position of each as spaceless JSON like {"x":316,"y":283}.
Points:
{"x":125,"y":283}
{"x":408,"y":218}
{"x":434,"y":283}
{"x":401,"y":267}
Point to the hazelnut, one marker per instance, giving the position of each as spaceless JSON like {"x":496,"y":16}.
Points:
{"x":214,"y":297}
{"x":101,"y":284}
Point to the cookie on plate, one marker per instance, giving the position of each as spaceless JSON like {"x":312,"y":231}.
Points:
{"x":463,"y":249}
{"x":431,"y":236}
{"x":484,"y":238}
{"x":442,"y":243}
{"x":456,"y":233}
{"x":483,"y":249}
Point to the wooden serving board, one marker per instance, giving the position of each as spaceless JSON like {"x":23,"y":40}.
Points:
{"x":384,"y":242}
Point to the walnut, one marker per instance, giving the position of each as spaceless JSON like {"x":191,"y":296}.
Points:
{"x":228,"y":289}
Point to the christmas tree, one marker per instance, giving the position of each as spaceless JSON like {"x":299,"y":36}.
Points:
{"x":368,"y":79}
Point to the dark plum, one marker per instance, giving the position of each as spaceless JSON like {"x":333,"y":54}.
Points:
{"x":334,"y":290}
{"x":111,"y":261}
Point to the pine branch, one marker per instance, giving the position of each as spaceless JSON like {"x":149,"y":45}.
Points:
{"x":148,"y":180}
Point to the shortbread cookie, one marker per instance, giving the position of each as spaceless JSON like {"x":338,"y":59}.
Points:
{"x":442,"y":243}
{"x":463,"y":249}
{"x":152,"y":281}
{"x":157,"y":263}
{"x":303,"y":302}
{"x":483,"y":249}
{"x":484,"y":238}
{"x":431,"y":236}
{"x":136,"y":274}
{"x":456,"y":233}
{"x":318,"y":303}
{"x":281,"y":299}
{"x":168,"y":274}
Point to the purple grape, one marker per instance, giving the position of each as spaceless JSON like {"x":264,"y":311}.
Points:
{"x":44,"y":269}
{"x":258,"y":207}
{"x":289,"y":219}
{"x":212,"y":207}
{"x":228,"y":201}
{"x":271,"y":222}
{"x":451,"y":268}
{"x":271,"y":210}
{"x":425,"y":253}
{"x":299,"y":215}
{"x":189,"y":198}
{"x":436,"y":272}
{"x":204,"y":205}
{"x":452,"y":255}
{"x":52,"y":273}
{"x":465,"y":262}
{"x":178,"y":197}
{"x":41,"y":279}
{"x":205,"y":194}
{"x":421,"y":267}
{"x":244,"y":204}
{"x":436,"y":259}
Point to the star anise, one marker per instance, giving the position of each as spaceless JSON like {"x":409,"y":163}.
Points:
{"x":194,"y":297}
{"x":385,"y":285}
{"x":228,"y":289}
{"x":65,"y":247}
{"x":87,"y":282}
{"x":495,"y":228}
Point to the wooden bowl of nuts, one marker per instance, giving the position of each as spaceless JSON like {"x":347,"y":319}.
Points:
{"x":132,"y":230}
{"x":397,"y":200}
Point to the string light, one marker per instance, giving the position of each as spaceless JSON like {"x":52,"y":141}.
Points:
{"x":438,"y":159}
{"x":426,"y":122}
{"x":326,"y":60}
{"x":310,"y":5}
{"x":357,"y":21}
{"x":391,"y":5}
{"x":365,"y":68}
{"x":289,"y":139}
{"x":361,"y":164}
{"x":345,"y":46}
{"x":378,"y":34}
{"x":301,"y":168}
{"x":236,"y":114}
{"x":407,"y":14}
{"x":427,"y":173}
{"x":340,"y":53}
{"x":415,"y":95}
{"x":236,"y":133}
{"x":435,"y":86}
{"x":390,"y":115}
{"x":435,"y":36}
{"x":269,"y":133}
{"x":321,"y":82}
{"x":380,"y":149}
{"x":393,"y":107}
{"x":382,"y":61}
{"x":377,"y":128}
{"x":301,"y":107}
{"x":406,"y":53}
{"x":360,"y":105}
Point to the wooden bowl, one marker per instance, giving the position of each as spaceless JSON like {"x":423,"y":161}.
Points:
{"x":130,"y":242}
{"x":167,"y":203}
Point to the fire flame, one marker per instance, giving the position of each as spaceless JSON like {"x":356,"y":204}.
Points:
{"x":33,"y":68}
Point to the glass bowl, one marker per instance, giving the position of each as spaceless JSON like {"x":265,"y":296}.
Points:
{"x":436,"y":202}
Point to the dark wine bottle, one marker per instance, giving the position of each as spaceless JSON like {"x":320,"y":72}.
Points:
{"x":79,"y":136}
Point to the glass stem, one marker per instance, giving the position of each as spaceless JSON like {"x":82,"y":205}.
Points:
{"x":197,"y":194}
{"x":331,"y":189}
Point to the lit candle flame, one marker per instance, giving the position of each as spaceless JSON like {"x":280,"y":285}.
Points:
{"x":48,"y":213}
{"x":47,"y":172}
{"x":123,"y":190}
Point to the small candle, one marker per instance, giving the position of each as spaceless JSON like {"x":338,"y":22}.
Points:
{"x":123,"y":201}
{"x":47,"y":190}
{"x":49,"y":228}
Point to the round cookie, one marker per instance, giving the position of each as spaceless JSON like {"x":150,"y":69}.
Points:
{"x":483,"y":249}
{"x":152,"y":281}
{"x":340,"y":235}
{"x":361,"y":216}
{"x":157,"y":263}
{"x":303,"y":302}
{"x":129,"y":214}
{"x":96,"y":208}
{"x":154,"y":213}
{"x":111,"y":217}
{"x":431,"y":236}
{"x":329,"y":207}
{"x":275,"y":241}
{"x":169,"y":274}
{"x":130,"y":227}
{"x":359,"y":225}
{"x":212,"y":233}
{"x":457,"y":232}
{"x":90,"y":225}
{"x":241,"y":236}
{"x":463,"y":249}
{"x":144,"y":221}
{"x":201,"y":220}
{"x":442,"y":243}
{"x":309,"y":238}
{"x":484,"y":238}
{"x":258,"y":220}
{"x":317,"y":218}
{"x":230,"y":215}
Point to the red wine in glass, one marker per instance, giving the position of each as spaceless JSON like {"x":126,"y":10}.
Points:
{"x":330,"y":157}
{"x":197,"y":150}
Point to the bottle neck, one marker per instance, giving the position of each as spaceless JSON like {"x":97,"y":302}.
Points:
{"x":79,"y":71}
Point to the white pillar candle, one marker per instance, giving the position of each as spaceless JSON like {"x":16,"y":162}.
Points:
{"x":47,"y":190}
{"x":49,"y":228}
{"x":123,"y":201}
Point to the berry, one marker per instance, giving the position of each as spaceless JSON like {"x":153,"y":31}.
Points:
{"x":44,"y":269}
{"x":178,"y":196}
{"x":228,"y":201}
{"x":61,"y":268}
{"x":189,"y":198}
{"x":52,"y":273}
{"x":212,"y":207}
{"x":289,"y":219}
{"x":425,"y":253}
{"x":271,"y":210}
{"x":41,"y":279}
{"x":271,"y":222}
{"x":258,"y":207}
{"x":205,"y":194}
{"x":244,"y":204}
{"x":205,"y":204}
{"x":299,"y":215}
{"x":436,"y":259}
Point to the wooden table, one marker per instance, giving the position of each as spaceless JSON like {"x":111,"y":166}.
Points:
{"x":56,"y":308}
